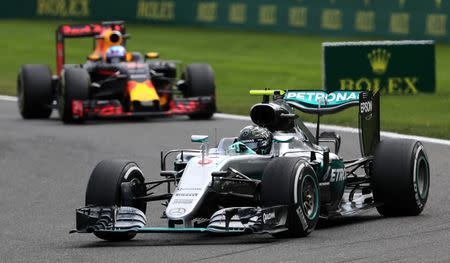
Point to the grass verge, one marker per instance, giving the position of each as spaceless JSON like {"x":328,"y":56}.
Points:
{"x":242,"y":61}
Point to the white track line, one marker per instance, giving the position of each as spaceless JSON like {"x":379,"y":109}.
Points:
{"x":312,"y":125}
{"x":346,"y":129}
{"x":8,"y":98}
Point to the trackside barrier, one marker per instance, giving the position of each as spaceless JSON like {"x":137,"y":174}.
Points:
{"x":391,"y":19}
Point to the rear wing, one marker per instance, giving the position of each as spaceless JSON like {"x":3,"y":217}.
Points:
{"x":322,"y":103}
{"x":80,"y":31}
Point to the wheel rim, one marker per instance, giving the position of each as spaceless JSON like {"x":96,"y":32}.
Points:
{"x":134,"y":175}
{"x":309,"y":197}
{"x":422,"y":177}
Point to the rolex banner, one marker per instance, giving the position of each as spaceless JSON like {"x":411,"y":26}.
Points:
{"x":391,"y":67}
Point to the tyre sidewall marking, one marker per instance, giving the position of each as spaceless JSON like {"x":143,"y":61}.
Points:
{"x":299,"y":207}
{"x":417,"y":159}
{"x":130,"y":170}
{"x":297,"y":174}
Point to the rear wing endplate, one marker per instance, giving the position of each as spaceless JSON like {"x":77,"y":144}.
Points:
{"x":369,"y":122}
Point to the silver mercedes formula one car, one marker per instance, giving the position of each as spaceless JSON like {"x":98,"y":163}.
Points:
{"x":276,"y":177}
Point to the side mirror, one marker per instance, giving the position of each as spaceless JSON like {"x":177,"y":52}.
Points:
{"x":94,"y":57}
{"x":129,"y":56}
{"x":199,"y":138}
{"x":152,"y":55}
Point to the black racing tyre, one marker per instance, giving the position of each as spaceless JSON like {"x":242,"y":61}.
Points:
{"x":401,"y":177}
{"x":292,"y":181}
{"x":34,"y":91}
{"x":75,"y":84}
{"x":199,"y":81}
{"x":104,"y":189}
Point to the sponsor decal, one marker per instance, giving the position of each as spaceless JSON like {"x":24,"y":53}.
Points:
{"x":379,"y":60}
{"x":63,"y":8}
{"x":268,"y":216}
{"x":177,"y":211}
{"x":186,"y":194}
{"x":188,"y":189}
{"x":134,"y":65}
{"x":104,"y":109}
{"x":246,"y":132}
{"x":77,"y":108}
{"x":416,"y":194}
{"x":337,"y":175}
{"x":182,"y":201}
{"x":162,"y":10}
{"x":366,"y":107}
{"x":390,"y":85}
{"x":142,"y":91}
{"x":184,"y":106}
{"x":322,"y":98}
{"x":416,"y":187}
{"x":302,"y":218}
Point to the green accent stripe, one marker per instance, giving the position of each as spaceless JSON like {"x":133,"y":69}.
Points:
{"x":173,"y":230}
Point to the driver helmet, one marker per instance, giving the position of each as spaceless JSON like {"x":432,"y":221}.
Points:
{"x":256,"y":138}
{"x":116,"y":54}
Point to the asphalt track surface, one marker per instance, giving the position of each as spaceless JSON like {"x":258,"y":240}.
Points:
{"x":45,"y":166}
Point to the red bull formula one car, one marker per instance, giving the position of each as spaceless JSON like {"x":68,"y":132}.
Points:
{"x":113,"y":82}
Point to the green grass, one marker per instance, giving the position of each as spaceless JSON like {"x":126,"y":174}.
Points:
{"x":241,"y":61}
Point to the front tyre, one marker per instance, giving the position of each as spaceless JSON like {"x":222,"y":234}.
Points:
{"x":199,"y":82}
{"x":401,"y":177}
{"x":74,"y":86}
{"x":105,"y":189}
{"x":292,"y":182}
{"x":34,"y":91}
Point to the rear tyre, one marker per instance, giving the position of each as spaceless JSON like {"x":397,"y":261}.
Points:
{"x":34,"y":91}
{"x":75,"y":84}
{"x":293,"y":182}
{"x":199,"y":82}
{"x":104,"y":189}
{"x":401,"y":177}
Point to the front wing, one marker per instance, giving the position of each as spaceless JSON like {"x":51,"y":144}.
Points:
{"x":229,"y":220}
{"x":83,"y":109}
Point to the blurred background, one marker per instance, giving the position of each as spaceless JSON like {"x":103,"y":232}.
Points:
{"x":250,"y":44}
